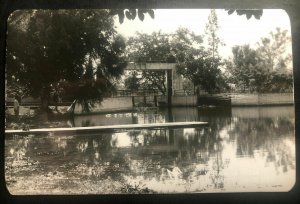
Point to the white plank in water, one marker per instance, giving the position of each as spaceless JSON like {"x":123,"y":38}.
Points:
{"x":108,"y":127}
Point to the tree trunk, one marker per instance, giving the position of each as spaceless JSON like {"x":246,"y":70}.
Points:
{"x":45,"y":99}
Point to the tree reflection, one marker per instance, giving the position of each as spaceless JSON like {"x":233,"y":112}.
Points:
{"x":267,"y":135}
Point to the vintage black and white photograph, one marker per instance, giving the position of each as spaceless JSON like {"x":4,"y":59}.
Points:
{"x":149,"y":101}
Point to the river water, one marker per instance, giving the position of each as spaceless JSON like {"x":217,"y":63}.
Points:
{"x":243,"y":149}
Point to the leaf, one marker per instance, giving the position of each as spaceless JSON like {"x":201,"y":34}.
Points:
{"x":248,"y":15}
{"x":121,"y":16}
{"x":141,"y":15}
{"x":151,"y":13}
{"x":258,"y":14}
{"x":133,"y":13}
{"x":128,"y":15}
{"x":230,"y":11}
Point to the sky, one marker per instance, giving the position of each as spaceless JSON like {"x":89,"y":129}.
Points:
{"x":234,"y":29}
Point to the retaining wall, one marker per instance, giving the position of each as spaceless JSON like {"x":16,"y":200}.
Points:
{"x":184,"y":100}
{"x":109,"y":105}
{"x":262,"y":99}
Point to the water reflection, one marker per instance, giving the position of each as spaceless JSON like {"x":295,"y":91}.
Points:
{"x":234,"y":153}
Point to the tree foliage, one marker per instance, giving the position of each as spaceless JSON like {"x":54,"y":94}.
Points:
{"x":248,"y":13}
{"x":131,"y":14}
{"x":242,"y":66}
{"x":211,"y":34}
{"x":202,"y":66}
{"x":149,"y":47}
{"x":264,"y":69}
{"x":204,"y":72}
{"x":132,"y":82}
{"x":273,"y":50}
{"x":78,"y":47}
{"x":160,"y":47}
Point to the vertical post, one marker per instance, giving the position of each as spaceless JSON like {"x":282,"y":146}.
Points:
{"x":155,"y":100}
{"x":133,"y":102}
{"x":169,"y":87}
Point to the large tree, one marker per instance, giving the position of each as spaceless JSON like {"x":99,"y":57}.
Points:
{"x":77,"y":47}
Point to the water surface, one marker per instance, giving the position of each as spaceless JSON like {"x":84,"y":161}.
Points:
{"x":242,"y":150}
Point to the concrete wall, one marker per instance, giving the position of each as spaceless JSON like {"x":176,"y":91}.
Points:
{"x":177,"y":82}
{"x":184,"y":100}
{"x":109,"y":105}
{"x":262,"y":99}
{"x":244,"y":99}
{"x":143,"y":99}
{"x":179,"y":100}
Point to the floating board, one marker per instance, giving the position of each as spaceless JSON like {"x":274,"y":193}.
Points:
{"x":109,"y":127}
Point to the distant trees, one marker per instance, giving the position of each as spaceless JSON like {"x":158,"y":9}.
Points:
{"x":264,"y":69}
{"x":77,"y":48}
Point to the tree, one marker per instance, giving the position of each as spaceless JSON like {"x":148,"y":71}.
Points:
{"x":243,"y":68}
{"x":15,"y":90}
{"x":203,"y":71}
{"x":185,"y":45}
{"x":202,"y":66}
{"x":153,"y":47}
{"x":211,"y":36}
{"x":273,"y":50}
{"x":264,"y":69}
{"x":149,"y":47}
{"x":154,"y":80}
{"x":79,"y":47}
